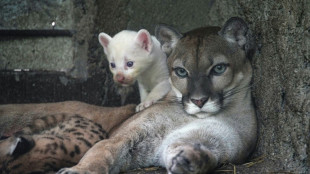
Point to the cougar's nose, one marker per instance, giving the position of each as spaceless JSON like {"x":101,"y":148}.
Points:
{"x":200,"y":102}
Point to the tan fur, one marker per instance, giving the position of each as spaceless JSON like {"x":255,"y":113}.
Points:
{"x":58,"y":134}
{"x":52,"y":149}
{"x":15,"y":116}
{"x":206,"y":120}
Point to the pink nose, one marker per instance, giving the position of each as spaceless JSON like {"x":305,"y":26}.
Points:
{"x":120,"y":78}
{"x":199,"y":102}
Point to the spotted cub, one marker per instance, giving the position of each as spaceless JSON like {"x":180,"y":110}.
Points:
{"x":56,"y":147}
{"x":57,"y":140}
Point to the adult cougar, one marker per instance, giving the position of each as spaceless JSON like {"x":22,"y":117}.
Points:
{"x":206,"y":119}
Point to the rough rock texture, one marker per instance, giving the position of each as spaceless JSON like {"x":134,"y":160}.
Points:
{"x":41,"y":53}
{"x":28,"y":14}
{"x":282,"y":81}
{"x":184,"y":15}
{"x":66,"y":54}
{"x":30,"y":53}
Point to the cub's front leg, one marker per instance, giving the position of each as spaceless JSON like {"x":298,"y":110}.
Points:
{"x":157,"y":93}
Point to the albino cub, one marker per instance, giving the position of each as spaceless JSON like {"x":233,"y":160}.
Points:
{"x":138,"y":56}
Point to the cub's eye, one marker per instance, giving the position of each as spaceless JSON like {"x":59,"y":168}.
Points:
{"x":219,"y":69}
{"x":112,"y":65}
{"x":181,"y":72}
{"x":129,"y":63}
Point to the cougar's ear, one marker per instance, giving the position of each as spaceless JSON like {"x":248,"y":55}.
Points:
{"x":235,"y":30}
{"x":168,"y":37}
{"x":104,"y":40}
{"x":144,"y":40}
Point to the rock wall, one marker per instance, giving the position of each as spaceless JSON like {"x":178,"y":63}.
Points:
{"x":40,"y":53}
{"x":282,"y":80}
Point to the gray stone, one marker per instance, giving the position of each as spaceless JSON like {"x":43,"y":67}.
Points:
{"x":282,"y":81}
{"x":29,"y":14}
{"x":37,"y":54}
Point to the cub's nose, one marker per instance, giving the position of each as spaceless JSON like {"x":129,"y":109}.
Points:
{"x":120,"y":78}
{"x":200,"y":102}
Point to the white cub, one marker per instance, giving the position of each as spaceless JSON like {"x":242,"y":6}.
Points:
{"x":137,"y":56}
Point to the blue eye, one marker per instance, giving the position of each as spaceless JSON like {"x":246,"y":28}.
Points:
{"x":219,"y":69}
{"x":129,"y":63}
{"x":181,"y":72}
{"x":112,"y":65}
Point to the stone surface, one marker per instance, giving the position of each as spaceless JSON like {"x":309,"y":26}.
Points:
{"x":28,"y":14}
{"x":184,"y":15}
{"x":43,"y":53}
{"x":31,"y":53}
{"x":68,"y":54}
{"x":282,"y":81}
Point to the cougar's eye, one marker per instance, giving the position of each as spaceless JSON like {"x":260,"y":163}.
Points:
{"x":130,"y":63}
{"x":219,"y":69}
{"x":112,"y":65}
{"x":181,"y":72}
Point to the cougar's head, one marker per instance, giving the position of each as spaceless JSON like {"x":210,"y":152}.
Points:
{"x":209,"y":67}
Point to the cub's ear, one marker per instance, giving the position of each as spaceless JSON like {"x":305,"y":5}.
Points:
{"x":235,"y":30}
{"x":104,"y":40}
{"x":144,"y":40}
{"x":21,"y":145}
{"x":168,"y":37}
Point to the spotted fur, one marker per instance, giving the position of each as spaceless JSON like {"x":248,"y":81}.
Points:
{"x":58,"y":135}
{"x":63,"y":142}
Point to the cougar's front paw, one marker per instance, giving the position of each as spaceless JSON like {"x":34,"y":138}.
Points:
{"x":144,"y":105}
{"x":189,"y":160}
{"x":71,"y":171}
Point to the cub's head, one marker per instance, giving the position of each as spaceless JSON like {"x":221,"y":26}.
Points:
{"x":209,"y":67}
{"x":128,"y":54}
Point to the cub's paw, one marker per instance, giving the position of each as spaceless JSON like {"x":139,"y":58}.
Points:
{"x":72,"y":171}
{"x":144,"y":105}
{"x":189,"y":160}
